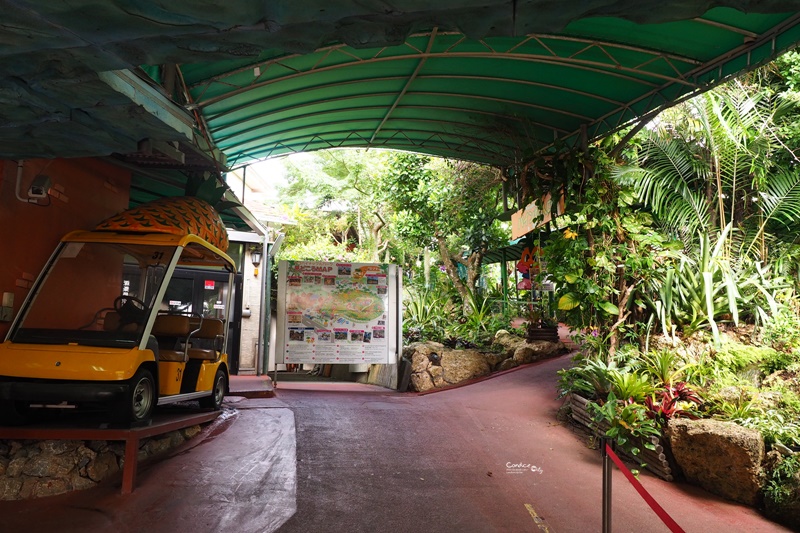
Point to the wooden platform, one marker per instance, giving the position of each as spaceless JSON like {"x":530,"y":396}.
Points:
{"x":162,"y":423}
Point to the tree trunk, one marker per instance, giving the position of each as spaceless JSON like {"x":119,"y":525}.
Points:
{"x":375,"y":232}
{"x":360,"y":228}
{"x":426,"y":266}
{"x":452,"y":271}
{"x":473,"y":265}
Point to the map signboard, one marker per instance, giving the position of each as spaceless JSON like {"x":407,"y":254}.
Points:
{"x":338,"y":313}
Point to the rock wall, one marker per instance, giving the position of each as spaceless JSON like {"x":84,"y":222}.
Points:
{"x":722,"y":457}
{"x":34,"y":469}
{"x":433,"y":365}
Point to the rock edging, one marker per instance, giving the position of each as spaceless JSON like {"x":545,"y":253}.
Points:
{"x":39,"y":468}
{"x":433,"y":365}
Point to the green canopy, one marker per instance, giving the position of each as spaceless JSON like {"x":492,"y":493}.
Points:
{"x":496,"y":100}
{"x":486,"y":80}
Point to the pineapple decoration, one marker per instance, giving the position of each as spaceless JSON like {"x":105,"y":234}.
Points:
{"x":196,"y":213}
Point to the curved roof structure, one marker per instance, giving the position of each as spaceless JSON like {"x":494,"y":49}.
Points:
{"x":486,"y":80}
{"x":497,"y":100}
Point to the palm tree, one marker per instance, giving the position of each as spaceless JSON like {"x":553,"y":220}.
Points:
{"x":711,"y":162}
{"x":709,"y":172}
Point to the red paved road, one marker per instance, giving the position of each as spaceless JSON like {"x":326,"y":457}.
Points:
{"x":364,"y":459}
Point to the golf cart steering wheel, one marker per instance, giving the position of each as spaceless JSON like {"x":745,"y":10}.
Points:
{"x":131,"y":310}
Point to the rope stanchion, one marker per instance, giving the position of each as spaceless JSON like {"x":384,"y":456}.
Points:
{"x":662,"y":514}
{"x":606,"y":486}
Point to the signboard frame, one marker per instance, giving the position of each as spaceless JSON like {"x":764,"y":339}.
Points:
{"x":338,"y":313}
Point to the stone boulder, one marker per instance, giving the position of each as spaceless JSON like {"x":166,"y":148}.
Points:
{"x":433,"y":365}
{"x":461,"y":365}
{"x":512,"y":346}
{"x":507,"y":342}
{"x":508,"y":364}
{"x":422,"y":381}
{"x":35,"y":469}
{"x":423,"y":354}
{"x":495,"y":359}
{"x":722,"y":457}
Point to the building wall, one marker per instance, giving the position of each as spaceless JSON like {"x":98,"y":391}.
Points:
{"x":251,"y":300}
{"x":83,"y":193}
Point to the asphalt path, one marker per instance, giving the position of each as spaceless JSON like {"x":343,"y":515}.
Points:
{"x":492,"y":456}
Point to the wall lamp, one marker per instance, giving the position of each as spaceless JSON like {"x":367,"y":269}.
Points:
{"x":256,"y":253}
{"x":255,"y":257}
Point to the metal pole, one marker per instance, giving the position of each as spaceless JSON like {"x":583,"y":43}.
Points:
{"x":504,"y":278}
{"x":244,"y":182}
{"x":267,"y":304}
{"x":260,"y":370}
{"x":606,"y":486}
{"x":271,"y":252}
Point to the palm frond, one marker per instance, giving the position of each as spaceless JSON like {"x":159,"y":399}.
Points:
{"x":667,"y":180}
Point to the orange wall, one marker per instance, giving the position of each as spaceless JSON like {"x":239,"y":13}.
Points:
{"x":84,"y":192}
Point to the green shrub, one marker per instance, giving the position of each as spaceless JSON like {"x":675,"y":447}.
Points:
{"x":630,"y":386}
{"x":735,"y":410}
{"x":778,"y":361}
{"x":782,"y":331}
{"x":629,"y":425}
{"x":782,"y":482}
{"x":737,"y":357}
{"x":774,"y":426}
{"x":664,"y":366}
{"x":425,"y":315}
{"x":589,"y":377}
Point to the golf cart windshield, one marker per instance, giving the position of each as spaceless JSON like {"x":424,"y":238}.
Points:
{"x":95,"y":294}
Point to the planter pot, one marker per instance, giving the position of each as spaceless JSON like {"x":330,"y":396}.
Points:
{"x":656,"y":461}
{"x":549,"y":334}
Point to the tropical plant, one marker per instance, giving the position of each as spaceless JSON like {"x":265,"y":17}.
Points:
{"x":479,"y":321}
{"x":426,"y":312}
{"x":711,"y":162}
{"x":782,"y":330}
{"x":673,"y":402}
{"x":700,"y":292}
{"x":664,"y":366}
{"x":736,"y":410}
{"x":774,"y":426}
{"x":782,"y":481}
{"x":778,"y":361}
{"x":452,"y":205}
{"x":630,"y":386}
{"x":735,"y":357}
{"x":334,"y":196}
{"x":702,"y":371}
{"x":604,"y":254}
{"x":627,"y":422}
{"x":589,"y":377}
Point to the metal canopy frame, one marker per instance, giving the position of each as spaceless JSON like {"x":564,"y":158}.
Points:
{"x":493,"y":81}
{"x":496,"y":100}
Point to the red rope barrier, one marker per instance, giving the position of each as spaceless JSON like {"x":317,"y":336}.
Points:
{"x":662,"y":514}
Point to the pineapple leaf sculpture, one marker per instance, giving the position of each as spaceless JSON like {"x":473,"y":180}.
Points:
{"x":197,"y":213}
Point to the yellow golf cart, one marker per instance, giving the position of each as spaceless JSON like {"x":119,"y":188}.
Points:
{"x":102,"y":328}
